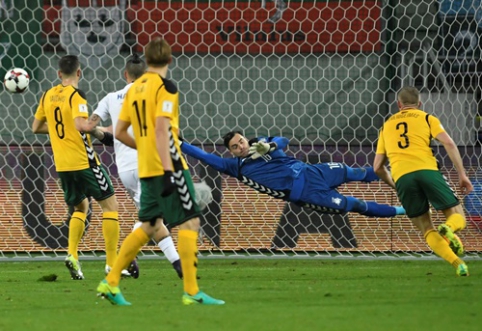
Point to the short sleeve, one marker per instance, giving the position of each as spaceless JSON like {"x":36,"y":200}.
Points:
{"x":436,"y":126}
{"x":79,"y":106}
{"x":124,"y":114}
{"x":166,"y":103}
{"x":381,"y":144}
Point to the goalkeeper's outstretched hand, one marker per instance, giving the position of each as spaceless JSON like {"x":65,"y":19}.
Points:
{"x":259,"y":149}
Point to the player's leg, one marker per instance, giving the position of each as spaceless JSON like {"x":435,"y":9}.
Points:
{"x":130,"y":180}
{"x":365,"y":174}
{"x":443,"y":198}
{"x":164,"y":240}
{"x":438,"y":244}
{"x":150,"y":214}
{"x":97,"y":184}
{"x":74,"y":196}
{"x":371,"y":208}
{"x":455,"y":221}
{"x":334,"y":174}
{"x":413,"y":190}
{"x":181,"y":209}
{"x":109,"y":287}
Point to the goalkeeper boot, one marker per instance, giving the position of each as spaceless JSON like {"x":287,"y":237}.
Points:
{"x":111,"y":293}
{"x":462,"y":270}
{"x":200,"y":298}
{"x":124,"y":274}
{"x":74,"y":268}
{"x":453,"y":240}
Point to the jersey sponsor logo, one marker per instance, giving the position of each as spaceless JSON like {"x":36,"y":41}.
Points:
{"x":167,"y":106}
{"x":83,"y":108}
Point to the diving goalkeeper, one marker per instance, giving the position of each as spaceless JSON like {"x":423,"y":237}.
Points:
{"x":262,"y":165}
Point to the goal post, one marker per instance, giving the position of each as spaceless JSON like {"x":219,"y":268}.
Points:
{"x":322,"y":73}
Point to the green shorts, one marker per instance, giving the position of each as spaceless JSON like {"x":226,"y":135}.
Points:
{"x":80,"y":184}
{"x":417,"y":189}
{"x":175,"y":209}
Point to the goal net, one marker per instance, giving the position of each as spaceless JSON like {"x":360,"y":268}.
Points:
{"x":322,"y":73}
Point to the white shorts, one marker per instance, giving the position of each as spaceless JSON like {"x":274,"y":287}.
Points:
{"x":131,"y":182}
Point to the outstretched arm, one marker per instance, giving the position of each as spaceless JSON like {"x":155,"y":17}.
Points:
{"x":217,"y":162}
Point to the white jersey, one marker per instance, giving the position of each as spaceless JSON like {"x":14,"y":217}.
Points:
{"x":110,"y":107}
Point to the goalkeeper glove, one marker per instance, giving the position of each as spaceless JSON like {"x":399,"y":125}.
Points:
{"x":108,"y":139}
{"x":261,"y":148}
{"x":169,"y":184}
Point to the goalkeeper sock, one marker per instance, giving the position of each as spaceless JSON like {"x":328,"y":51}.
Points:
{"x":441,"y":247}
{"x":76,"y":231}
{"x":110,"y":230}
{"x":456,"y":222}
{"x":167,"y":247}
{"x":187,"y":244}
{"x":370,"y":208}
{"x":361,"y":174}
{"x":127,"y":253}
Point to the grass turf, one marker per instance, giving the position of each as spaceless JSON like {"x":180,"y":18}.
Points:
{"x":264,"y":294}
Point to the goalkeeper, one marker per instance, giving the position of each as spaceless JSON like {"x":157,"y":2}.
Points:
{"x":261,"y":164}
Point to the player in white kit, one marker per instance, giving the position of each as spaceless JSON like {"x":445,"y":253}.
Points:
{"x":126,"y":161}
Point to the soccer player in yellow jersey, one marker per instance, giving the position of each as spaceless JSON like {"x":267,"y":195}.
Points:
{"x":404,"y":141}
{"x":62,"y":113}
{"x":151,"y":106}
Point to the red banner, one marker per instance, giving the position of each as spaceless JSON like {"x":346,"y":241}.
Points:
{"x":244,"y":27}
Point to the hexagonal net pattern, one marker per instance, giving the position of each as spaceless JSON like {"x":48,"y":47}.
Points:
{"x":324,"y":74}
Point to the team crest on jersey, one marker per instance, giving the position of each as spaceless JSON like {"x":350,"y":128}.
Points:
{"x":336,"y":201}
{"x":94,"y":29}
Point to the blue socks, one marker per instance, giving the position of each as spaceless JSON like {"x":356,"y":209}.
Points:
{"x":370,"y":208}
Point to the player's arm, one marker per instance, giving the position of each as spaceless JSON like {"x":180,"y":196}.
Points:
{"x":280,"y":142}
{"x":217,"y":162}
{"x":381,"y":160}
{"x":163,"y":125}
{"x":39,"y":127}
{"x":122,"y":135}
{"x":382,"y":171}
{"x":454,"y":155}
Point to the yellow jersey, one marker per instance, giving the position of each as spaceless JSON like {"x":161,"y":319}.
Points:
{"x":149,"y":97}
{"x":72,"y":149}
{"x":405,"y":139}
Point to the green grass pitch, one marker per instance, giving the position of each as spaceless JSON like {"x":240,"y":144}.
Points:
{"x":260,"y":294}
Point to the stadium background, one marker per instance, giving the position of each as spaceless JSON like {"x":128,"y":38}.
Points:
{"x":324,"y":76}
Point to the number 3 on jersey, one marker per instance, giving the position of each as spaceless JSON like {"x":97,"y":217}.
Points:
{"x":404,"y":143}
{"x":141,"y":117}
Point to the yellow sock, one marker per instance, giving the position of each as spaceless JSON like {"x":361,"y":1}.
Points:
{"x":440,"y":247}
{"x":187,"y":247}
{"x":127,"y":253}
{"x":456,"y":222}
{"x":110,"y":230}
{"x":76,"y":231}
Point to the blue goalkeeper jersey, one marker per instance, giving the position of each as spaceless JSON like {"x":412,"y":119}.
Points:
{"x":274,"y":173}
